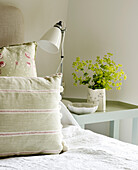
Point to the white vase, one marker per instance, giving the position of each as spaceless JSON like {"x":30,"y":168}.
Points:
{"x":97,"y":97}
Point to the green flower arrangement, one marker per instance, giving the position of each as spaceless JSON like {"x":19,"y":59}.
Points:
{"x":105,"y":73}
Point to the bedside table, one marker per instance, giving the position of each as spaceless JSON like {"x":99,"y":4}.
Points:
{"x":115,"y":112}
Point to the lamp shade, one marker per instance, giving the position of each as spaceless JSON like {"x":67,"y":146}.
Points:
{"x":50,"y":42}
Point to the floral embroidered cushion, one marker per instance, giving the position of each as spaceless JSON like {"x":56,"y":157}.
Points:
{"x":30,"y":118}
{"x":18,"y":60}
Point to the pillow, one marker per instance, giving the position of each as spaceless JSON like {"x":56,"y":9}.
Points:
{"x":18,"y":60}
{"x":67,"y":118}
{"x":30,"y":118}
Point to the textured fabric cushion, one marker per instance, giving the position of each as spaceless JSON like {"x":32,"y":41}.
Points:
{"x":30,"y":118}
{"x":18,"y":60}
{"x":11,"y":25}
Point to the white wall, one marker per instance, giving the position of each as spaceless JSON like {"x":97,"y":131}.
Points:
{"x":95,"y":27}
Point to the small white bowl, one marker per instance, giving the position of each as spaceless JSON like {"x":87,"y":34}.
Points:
{"x":82,"y":108}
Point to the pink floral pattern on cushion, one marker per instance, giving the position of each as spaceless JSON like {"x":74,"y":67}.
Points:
{"x":2,"y":63}
{"x":29,"y":64}
{"x":1,"y":56}
{"x":16,"y":60}
{"x":27,"y":56}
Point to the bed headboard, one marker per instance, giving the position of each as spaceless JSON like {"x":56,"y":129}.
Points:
{"x":11,"y":26}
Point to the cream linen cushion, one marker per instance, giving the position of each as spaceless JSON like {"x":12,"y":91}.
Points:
{"x":30,"y":118}
{"x":18,"y":60}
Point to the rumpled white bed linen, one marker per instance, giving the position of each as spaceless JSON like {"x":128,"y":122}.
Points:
{"x":87,"y":151}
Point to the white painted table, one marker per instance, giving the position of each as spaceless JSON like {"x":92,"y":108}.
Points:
{"x":115,"y":112}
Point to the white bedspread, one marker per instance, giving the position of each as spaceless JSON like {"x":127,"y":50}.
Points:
{"x":87,"y":151}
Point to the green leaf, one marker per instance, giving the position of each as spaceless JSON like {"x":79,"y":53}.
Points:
{"x":98,"y":57}
{"x":119,"y":65}
{"x":78,"y":59}
{"x":85,"y":74}
{"x":125,"y":77}
{"x":113,"y":84}
{"x":118,"y":88}
{"x":117,"y":84}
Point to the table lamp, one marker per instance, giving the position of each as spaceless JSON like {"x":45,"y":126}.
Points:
{"x":52,"y":40}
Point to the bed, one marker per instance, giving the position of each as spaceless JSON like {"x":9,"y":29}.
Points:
{"x":87,"y":151}
{"x":84,"y":149}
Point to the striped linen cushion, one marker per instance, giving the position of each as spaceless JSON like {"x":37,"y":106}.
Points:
{"x":30,"y":118}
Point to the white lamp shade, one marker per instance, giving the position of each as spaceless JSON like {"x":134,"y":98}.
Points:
{"x":50,"y":42}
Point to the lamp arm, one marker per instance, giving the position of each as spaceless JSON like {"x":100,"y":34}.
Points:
{"x":62,"y":42}
{"x":60,"y":64}
{"x":62,"y":51}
